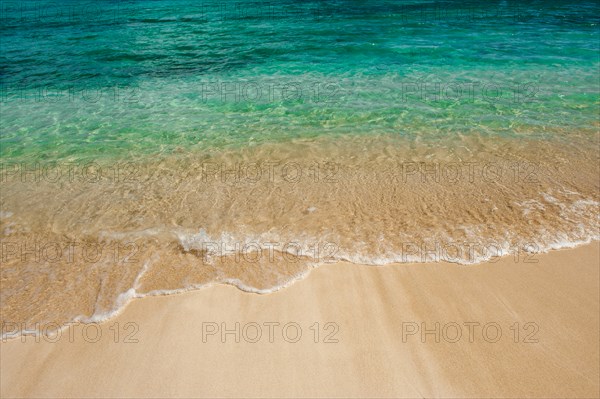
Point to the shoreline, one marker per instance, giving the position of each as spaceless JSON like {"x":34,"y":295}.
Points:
{"x":132,"y":296}
{"x":266,"y":214}
{"x":375,"y":313}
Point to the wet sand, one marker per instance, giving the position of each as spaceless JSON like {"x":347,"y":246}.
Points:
{"x":238,"y":215}
{"x":374,"y":313}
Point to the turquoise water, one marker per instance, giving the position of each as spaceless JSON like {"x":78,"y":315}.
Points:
{"x":334,"y":103}
{"x":132,"y":78}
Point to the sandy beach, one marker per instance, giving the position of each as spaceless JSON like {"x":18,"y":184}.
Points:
{"x":315,"y":199}
{"x":516,"y":327}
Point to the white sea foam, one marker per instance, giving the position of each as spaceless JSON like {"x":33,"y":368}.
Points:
{"x":361,"y":253}
{"x":124,"y":298}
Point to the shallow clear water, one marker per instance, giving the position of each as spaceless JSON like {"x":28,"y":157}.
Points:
{"x":171,"y":136}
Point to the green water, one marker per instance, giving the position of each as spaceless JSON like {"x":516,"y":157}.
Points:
{"x":139,"y":78}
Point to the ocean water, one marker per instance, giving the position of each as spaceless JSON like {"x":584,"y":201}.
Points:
{"x":126,"y":77}
{"x":158,"y":146}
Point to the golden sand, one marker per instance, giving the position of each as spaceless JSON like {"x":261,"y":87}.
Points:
{"x":553,"y":303}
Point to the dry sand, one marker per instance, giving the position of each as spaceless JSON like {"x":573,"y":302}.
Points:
{"x":371,"y":307}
